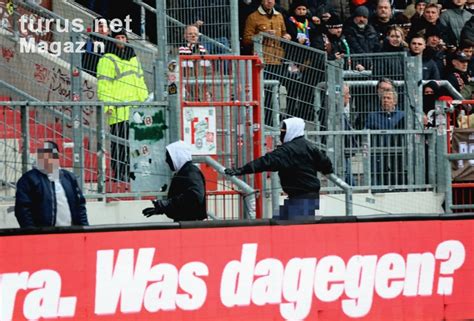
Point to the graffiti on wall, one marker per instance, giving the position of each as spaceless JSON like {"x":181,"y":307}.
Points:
{"x":58,"y":83}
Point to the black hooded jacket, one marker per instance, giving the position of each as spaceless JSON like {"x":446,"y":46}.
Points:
{"x":187,"y":192}
{"x":297,"y":162}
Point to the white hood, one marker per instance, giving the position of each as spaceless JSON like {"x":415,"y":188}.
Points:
{"x":294,"y":128}
{"x":180,"y":153}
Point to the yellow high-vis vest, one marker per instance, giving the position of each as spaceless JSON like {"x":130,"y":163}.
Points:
{"x":120,"y":80}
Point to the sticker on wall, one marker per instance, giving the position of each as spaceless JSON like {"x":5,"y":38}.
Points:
{"x":199,"y":129}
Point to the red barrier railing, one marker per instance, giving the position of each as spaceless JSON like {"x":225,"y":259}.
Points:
{"x":462,"y":118}
{"x":221,"y":117}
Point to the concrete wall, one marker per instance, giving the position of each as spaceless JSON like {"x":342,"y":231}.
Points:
{"x":128,"y":212}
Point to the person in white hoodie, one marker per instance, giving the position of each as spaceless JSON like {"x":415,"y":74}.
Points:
{"x":187,"y":193}
{"x":297,"y":162}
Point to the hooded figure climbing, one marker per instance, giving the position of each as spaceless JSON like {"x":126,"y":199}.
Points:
{"x":297,"y":162}
{"x":187,"y":193}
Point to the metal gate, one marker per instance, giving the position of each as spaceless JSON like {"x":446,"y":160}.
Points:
{"x":460,"y":132}
{"x":221,"y":117}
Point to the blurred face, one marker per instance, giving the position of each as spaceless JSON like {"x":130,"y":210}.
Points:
{"x":469,"y":5}
{"x":433,"y":41}
{"x":122,"y":39}
{"x":335,"y":31}
{"x":47,"y":160}
{"x":301,"y":11}
{"x":192,"y":35}
{"x":460,"y":65}
{"x":384,"y":11}
{"x":395,"y":38}
{"x":431,"y":14}
{"x":388,"y":101}
{"x":347,"y":95}
{"x":420,"y":8}
{"x":417,"y":45}
{"x":384,"y":86}
{"x":459,"y":3}
{"x":360,"y":21}
{"x":268,"y":4}
{"x":103,"y":28}
{"x":468,"y":52}
{"x":428,"y":91}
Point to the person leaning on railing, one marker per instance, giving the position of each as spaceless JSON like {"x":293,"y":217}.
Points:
{"x":297,"y":162}
{"x":120,"y":79}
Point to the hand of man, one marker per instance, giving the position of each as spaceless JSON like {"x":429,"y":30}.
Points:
{"x":160,"y":206}
{"x":233,"y":171}
{"x":149,"y":211}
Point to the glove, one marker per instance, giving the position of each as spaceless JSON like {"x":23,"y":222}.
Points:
{"x":159,"y":208}
{"x":233,"y":171}
{"x":149,"y":211}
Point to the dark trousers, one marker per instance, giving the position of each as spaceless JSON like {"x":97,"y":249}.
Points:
{"x":299,"y":207}
{"x":120,"y":151}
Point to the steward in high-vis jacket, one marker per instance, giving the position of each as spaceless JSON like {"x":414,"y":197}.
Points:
{"x":187,"y":193}
{"x":120,"y":79}
{"x":297,"y":162}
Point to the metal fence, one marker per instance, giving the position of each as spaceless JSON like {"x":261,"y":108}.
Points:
{"x":221,"y":112}
{"x":294,"y":69}
{"x":86,"y":149}
{"x":460,"y":146}
{"x":213,"y":17}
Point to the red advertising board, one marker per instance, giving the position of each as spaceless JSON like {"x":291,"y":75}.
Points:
{"x":406,"y":270}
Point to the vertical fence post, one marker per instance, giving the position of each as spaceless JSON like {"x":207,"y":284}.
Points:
{"x":161,"y":38}
{"x":234,"y":27}
{"x":332,"y":90}
{"x":414,"y":113}
{"x":143,"y":22}
{"x":25,"y":136}
{"x":76,"y":95}
{"x":443,"y":164}
{"x":101,"y":148}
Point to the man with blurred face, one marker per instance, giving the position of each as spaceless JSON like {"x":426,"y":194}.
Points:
{"x":48,"y":195}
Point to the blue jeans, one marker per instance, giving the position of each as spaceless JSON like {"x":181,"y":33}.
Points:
{"x":298,"y":208}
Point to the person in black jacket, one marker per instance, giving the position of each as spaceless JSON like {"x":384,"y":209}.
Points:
{"x":362,"y":37}
{"x":187,"y":193}
{"x":297,"y":162}
{"x":48,"y":195}
{"x":430,"y":69}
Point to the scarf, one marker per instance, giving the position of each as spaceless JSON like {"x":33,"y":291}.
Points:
{"x":302,"y":28}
